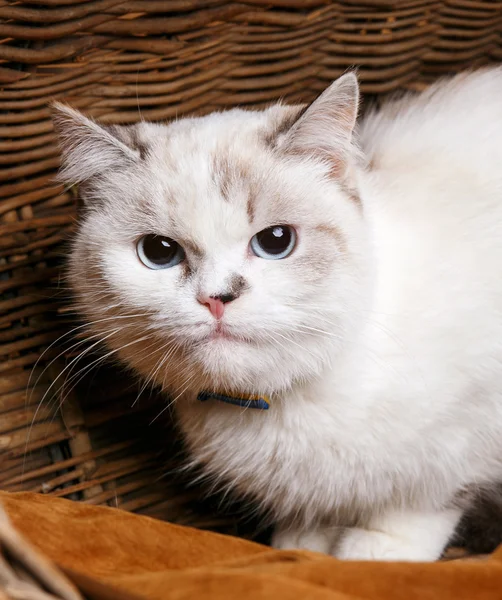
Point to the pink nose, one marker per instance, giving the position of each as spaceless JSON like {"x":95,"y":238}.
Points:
{"x":215,"y":305}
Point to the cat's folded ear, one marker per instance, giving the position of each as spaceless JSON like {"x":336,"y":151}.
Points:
{"x":87,"y":148}
{"x":324,"y":128}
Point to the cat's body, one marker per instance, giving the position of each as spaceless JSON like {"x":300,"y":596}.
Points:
{"x":379,"y":339}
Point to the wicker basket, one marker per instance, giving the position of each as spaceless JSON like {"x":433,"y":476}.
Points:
{"x":91,"y":438}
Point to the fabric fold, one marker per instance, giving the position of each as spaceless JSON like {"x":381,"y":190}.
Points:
{"x":109,"y":554}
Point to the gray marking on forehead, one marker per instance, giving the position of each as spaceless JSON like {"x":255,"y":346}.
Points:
{"x":227,"y":172}
{"x":221,"y":175}
{"x":250,"y":206}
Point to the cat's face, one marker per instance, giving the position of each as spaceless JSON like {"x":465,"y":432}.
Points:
{"x":223,"y":251}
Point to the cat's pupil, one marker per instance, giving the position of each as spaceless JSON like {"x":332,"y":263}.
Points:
{"x":274,"y":243}
{"x":159,"y":252}
{"x":159,"y":249}
{"x":275,"y":240}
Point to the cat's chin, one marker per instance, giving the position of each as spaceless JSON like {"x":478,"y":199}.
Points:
{"x":231,"y":363}
{"x":223,"y":335}
{"x":226,"y":342}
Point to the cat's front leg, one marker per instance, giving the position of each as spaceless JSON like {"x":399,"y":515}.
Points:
{"x":315,"y":539}
{"x":400,"y":536}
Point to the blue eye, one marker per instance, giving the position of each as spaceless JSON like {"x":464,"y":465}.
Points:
{"x":274,"y":242}
{"x":159,"y":252}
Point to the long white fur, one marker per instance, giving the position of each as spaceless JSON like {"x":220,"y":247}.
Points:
{"x":380,"y":345}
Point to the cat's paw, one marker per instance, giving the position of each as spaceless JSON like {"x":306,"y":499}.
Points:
{"x":362,"y":544}
{"x":315,"y":540}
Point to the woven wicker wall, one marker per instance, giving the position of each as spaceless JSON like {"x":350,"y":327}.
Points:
{"x":117,"y":60}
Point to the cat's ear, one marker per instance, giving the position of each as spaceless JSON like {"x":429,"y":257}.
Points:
{"x":325,"y":127}
{"x":87,"y":148}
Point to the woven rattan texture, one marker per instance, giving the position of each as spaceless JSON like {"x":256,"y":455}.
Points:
{"x":119,"y":61}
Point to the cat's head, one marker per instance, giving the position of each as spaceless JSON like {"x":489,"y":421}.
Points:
{"x":225,"y":251}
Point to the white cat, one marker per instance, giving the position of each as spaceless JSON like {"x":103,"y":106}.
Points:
{"x":355,"y":288}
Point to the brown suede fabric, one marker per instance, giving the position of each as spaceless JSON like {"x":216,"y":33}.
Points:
{"x":113,"y":555}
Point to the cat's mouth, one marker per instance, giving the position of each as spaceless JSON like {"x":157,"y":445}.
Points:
{"x":222,"y":332}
